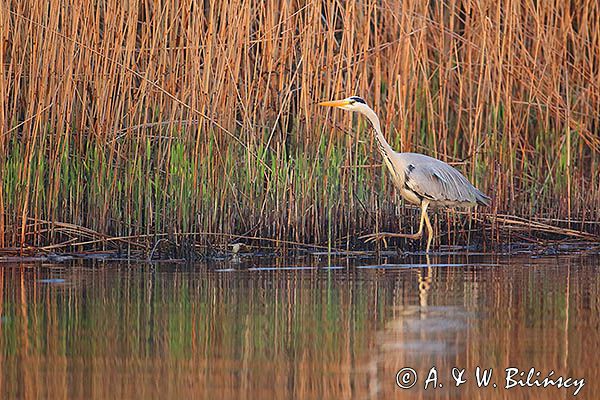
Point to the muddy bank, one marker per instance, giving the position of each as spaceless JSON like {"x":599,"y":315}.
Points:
{"x":239,"y":251}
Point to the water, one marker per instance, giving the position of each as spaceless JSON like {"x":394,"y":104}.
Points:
{"x":303,"y":328}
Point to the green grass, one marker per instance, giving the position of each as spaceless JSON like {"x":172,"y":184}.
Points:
{"x":190,"y":128}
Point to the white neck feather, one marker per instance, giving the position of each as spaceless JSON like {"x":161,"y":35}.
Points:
{"x":384,"y":146}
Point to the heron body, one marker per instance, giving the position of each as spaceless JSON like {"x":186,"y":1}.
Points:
{"x":420,"y":179}
{"x":427,"y":178}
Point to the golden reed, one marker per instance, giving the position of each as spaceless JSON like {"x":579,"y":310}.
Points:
{"x":192,"y":121}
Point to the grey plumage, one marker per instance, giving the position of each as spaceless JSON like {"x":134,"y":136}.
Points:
{"x":438,"y":182}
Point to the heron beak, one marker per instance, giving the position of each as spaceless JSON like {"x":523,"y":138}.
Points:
{"x":335,"y":103}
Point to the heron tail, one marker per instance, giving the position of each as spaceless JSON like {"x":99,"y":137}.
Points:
{"x":482,"y":199}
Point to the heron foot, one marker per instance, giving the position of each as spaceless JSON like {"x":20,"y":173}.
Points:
{"x":374,"y":237}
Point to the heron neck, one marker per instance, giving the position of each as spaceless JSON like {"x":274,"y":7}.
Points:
{"x":384,"y":146}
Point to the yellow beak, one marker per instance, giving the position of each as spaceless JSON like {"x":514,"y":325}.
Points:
{"x":335,"y":103}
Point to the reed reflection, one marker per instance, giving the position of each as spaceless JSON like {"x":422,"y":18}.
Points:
{"x":118,"y":331}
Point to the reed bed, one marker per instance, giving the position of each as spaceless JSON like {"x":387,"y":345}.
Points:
{"x":195,"y":122}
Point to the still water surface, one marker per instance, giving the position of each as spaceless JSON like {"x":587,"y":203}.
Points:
{"x":303,"y":328}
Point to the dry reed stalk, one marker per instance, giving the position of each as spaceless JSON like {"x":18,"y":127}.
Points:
{"x":145,"y":118}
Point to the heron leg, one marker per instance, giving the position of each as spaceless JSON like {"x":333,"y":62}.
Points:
{"x":384,"y":235}
{"x":429,"y":232}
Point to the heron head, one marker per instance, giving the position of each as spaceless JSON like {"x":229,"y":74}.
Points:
{"x":352,"y":103}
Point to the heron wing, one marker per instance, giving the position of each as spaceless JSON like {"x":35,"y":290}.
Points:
{"x":435,"y":180}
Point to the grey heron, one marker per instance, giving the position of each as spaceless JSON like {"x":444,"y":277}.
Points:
{"x":420,"y":179}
